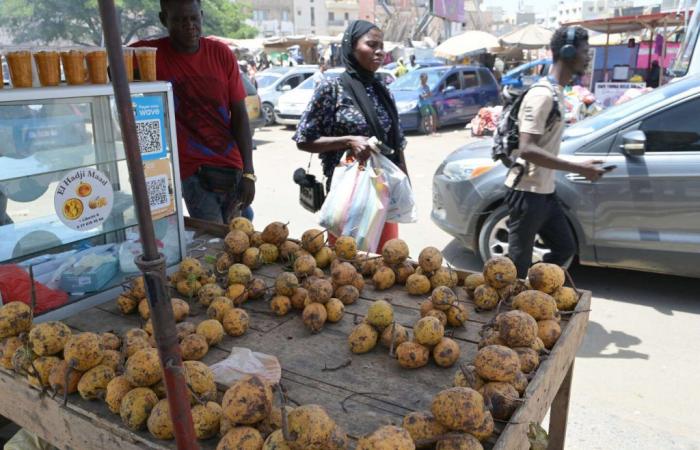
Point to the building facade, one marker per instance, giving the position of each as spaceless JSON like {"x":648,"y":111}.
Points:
{"x":273,"y":17}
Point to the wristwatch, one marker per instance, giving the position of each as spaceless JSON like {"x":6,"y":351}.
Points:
{"x":250,"y":176}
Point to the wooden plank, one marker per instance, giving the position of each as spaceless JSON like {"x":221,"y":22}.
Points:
{"x":559,"y":414}
{"x":549,"y":377}
{"x":66,"y":428}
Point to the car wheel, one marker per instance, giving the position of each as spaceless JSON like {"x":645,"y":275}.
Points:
{"x":424,"y":125}
{"x":493,"y":237}
{"x":268,"y":113}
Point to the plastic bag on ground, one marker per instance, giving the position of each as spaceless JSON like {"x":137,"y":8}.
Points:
{"x":241,"y":362}
{"x":24,"y":440}
{"x":402,"y":202}
{"x":356,"y":204}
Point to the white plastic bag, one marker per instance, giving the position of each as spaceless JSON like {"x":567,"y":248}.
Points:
{"x":356,"y":204}
{"x":402,"y":203}
{"x":241,"y":362}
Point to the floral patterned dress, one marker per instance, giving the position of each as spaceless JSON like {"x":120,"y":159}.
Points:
{"x":332,"y":113}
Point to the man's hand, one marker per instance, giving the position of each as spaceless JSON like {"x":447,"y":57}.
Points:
{"x":591,"y":169}
{"x":360,"y":148}
{"x":246,"y":191}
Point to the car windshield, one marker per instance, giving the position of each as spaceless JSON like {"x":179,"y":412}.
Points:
{"x":411,"y":81}
{"x":309,"y":83}
{"x":267,"y":79}
{"x":618,"y":112}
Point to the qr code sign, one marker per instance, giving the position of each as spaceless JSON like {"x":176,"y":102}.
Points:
{"x":148,"y":132}
{"x":158,"y":192}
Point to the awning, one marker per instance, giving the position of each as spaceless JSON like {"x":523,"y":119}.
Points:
{"x":470,"y":43}
{"x":629,"y":24}
{"x":529,"y":36}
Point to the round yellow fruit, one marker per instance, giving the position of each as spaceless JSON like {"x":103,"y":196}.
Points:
{"x":548,"y":331}
{"x":288,"y":250}
{"x":472,"y":281}
{"x":502,"y":397}
{"x":247,"y":401}
{"x":241,"y":438}
{"x":395,"y":252}
{"x":412,"y":355}
{"x":239,"y":274}
{"x":237,"y":242}
{"x":459,"y":408}
{"x":430,"y":259}
{"x":304,"y":266}
{"x":499,"y":271}
{"x":439,"y":315}
{"x":417,"y":284}
{"x":497,"y":363}
{"x":347,"y":294}
{"x":136,"y":407}
{"x":388,"y":437}
{"x":380,"y":314}
{"x":334,"y":310}
{"x":116,"y":389}
{"x":251,"y":258}
{"x":311,"y":427}
{"x":403,"y":271}
{"x":516,"y":328}
{"x":93,"y":383}
{"x":280,"y":305}
{"x":457,"y":315}
{"x":242,"y":224}
{"x":395,"y":333}
{"x":275,"y":233}
{"x":159,"y":423}
{"x":428,"y":331}
{"x":143,"y":368}
{"x":324,"y":257}
{"x":343,"y":273}
{"x":209,"y":292}
{"x":313,"y":240}
{"x":320,"y":291}
{"x":422,"y":425}
{"x":218,"y":308}
{"x":565,"y":298}
{"x":485,"y":297}
{"x":466,"y":376}
{"x":546,"y":277}
{"x":269,"y":253}
{"x":286,"y":283}
{"x":539,"y":305}
{"x":446,"y":352}
{"x":363,"y":338}
{"x":299,"y":298}
{"x":443,"y":298}
{"x":461,"y":442}
{"x":346,"y":247}
{"x":49,"y":338}
{"x":444,"y":277}
{"x":83,"y":351}
{"x":314,"y":316}
{"x":529,"y":359}
{"x":384,"y":278}
{"x":235,"y":322}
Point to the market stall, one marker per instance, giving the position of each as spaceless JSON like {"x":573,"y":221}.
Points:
{"x":360,"y":391}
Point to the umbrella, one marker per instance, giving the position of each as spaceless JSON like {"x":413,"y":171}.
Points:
{"x":469,"y":43}
{"x":529,"y":36}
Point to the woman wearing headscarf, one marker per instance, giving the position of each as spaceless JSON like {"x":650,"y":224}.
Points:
{"x":346,"y":111}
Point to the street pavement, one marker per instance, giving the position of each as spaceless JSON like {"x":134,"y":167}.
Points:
{"x":636,"y":381}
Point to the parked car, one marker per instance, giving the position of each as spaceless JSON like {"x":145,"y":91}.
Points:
{"x":274,"y":82}
{"x":458,"y":92}
{"x":526,"y":74}
{"x":252,"y":105}
{"x":643,"y":215}
{"x":292,"y":104}
{"x":421,"y":63}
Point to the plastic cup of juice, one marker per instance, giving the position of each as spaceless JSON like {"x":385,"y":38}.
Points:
{"x":129,"y":62}
{"x":74,"y":66}
{"x":20,"y":64}
{"x":48,"y":65}
{"x":97,"y":65}
{"x":146,"y":57}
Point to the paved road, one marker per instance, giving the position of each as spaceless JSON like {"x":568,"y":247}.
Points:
{"x":636,"y":383}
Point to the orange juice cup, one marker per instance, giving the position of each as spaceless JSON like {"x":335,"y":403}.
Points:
{"x":74,"y":66}
{"x":97,"y":65}
{"x":146,"y":57}
{"x":48,"y":64}
{"x":20,"y":62}
{"x":129,"y":63}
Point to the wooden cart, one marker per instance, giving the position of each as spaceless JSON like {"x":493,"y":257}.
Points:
{"x":361,"y":392}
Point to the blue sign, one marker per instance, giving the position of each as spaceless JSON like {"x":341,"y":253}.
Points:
{"x":150,"y":126}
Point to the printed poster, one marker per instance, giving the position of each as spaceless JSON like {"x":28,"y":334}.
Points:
{"x":159,"y":185}
{"x":83,"y":199}
{"x":150,"y":126}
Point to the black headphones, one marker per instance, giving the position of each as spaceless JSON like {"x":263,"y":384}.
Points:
{"x":568,"y":50}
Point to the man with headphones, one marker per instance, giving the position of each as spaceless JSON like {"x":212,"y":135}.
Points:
{"x":533,"y":205}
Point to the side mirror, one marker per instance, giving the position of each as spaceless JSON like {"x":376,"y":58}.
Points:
{"x":286,"y":88}
{"x":634,"y":143}
{"x":449,"y":89}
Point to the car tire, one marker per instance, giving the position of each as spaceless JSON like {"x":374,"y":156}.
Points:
{"x":423,"y":124}
{"x":493,"y":237}
{"x":268,"y":111}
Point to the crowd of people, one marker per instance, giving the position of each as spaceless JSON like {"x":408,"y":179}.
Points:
{"x":216,"y":158}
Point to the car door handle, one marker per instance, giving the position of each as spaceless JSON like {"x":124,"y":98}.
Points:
{"x":576,"y":178}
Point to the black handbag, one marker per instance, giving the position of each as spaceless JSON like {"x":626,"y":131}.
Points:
{"x":311,"y":191}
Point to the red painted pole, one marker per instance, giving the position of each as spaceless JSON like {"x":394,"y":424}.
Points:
{"x":151,"y":263}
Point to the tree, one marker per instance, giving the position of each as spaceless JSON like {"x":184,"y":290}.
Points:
{"x":78,"y":21}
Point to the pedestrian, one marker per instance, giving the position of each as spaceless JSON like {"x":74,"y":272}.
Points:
{"x":346,"y":111}
{"x":213,"y":134}
{"x":401,"y":68}
{"x":533,"y":205}
{"x":654,"y":75}
{"x":425,"y":105}
{"x":412,"y":64}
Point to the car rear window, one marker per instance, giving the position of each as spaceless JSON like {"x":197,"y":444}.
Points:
{"x":248,"y":86}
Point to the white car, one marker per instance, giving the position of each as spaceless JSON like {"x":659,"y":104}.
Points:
{"x":292,"y":104}
{"x":275,"y":81}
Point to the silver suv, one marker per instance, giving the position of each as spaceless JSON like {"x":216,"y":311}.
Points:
{"x":643,"y":215}
{"x":275,"y":81}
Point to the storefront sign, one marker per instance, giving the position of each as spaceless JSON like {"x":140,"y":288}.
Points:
{"x":84,"y":199}
{"x":608,"y":93}
{"x":150,"y":127}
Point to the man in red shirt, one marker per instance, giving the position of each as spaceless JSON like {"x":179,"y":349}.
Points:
{"x":213,"y":136}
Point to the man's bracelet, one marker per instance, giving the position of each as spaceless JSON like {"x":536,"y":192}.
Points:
{"x":250,"y":176}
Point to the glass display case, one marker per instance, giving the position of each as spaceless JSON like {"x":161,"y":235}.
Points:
{"x":66,"y":206}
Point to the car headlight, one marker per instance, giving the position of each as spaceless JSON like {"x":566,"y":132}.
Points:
{"x":463,"y":170}
{"x":404,"y":107}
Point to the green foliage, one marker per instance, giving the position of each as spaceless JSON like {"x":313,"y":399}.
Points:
{"x":78,"y":21}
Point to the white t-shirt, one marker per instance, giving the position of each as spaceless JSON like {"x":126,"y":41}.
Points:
{"x":532,"y":119}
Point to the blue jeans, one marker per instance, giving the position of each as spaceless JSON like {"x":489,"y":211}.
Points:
{"x":206,"y":205}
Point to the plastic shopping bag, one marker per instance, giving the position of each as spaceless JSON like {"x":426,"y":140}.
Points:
{"x":402,"y":202}
{"x":241,"y":362}
{"x":356,"y":204}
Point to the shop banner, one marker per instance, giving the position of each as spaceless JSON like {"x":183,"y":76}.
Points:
{"x":150,"y":126}
{"x":608,"y":93}
{"x":672,"y":49}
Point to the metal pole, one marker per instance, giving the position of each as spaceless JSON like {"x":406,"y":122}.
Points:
{"x":151,"y":263}
{"x":605,"y":56}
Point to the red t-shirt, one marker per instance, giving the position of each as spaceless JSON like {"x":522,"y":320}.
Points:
{"x":205,"y":84}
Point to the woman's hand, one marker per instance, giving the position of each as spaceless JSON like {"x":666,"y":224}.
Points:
{"x":359,"y":147}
